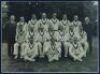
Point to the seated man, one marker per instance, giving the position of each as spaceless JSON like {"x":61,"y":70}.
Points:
{"x":31,"y":46}
{"x":76,"y":50}
{"x":52,"y":47}
{"x":56,"y":46}
{"x":76,"y":23}
{"x":56,"y":35}
{"x":83,"y":40}
{"x":67,"y":38}
{"x":21,"y":35}
{"x":57,"y":41}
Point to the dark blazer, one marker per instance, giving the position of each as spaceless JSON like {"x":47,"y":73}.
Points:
{"x":88,"y":28}
{"x":11,"y":31}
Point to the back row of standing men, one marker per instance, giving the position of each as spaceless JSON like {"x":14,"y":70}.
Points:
{"x":45,"y":37}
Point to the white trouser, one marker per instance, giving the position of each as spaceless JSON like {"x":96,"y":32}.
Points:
{"x":23,"y":46}
{"x":16,"y":45}
{"x":38,"y":48}
{"x":47,"y":50}
{"x":46,"y":47}
{"x":58,"y":48}
{"x":66,"y":48}
{"x":35,"y":49}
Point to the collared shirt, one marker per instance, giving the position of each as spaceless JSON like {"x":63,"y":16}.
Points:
{"x":55,"y":24}
{"x":32,"y":23}
{"x":65,"y":24}
{"x":42,"y":24}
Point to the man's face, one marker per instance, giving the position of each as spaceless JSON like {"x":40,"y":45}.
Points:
{"x":75,"y":18}
{"x":33,"y":16}
{"x":87,"y":20}
{"x":44,"y":15}
{"x":64,"y":16}
{"x":54,"y":15}
{"x":12,"y":17}
{"x":22,"y":19}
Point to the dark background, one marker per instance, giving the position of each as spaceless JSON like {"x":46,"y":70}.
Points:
{"x":81,"y":9}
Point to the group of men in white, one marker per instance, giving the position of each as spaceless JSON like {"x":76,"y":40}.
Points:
{"x":45,"y":37}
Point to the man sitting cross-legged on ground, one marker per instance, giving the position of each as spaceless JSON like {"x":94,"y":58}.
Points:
{"x":51,"y":47}
{"x":76,"y":50}
{"x":31,"y":50}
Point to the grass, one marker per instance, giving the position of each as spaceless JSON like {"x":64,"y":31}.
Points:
{"x":89,"y":64}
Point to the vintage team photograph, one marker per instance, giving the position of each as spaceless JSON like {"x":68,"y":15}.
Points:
{"x":49,"y":36}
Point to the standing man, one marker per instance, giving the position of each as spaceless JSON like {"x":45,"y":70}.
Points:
{"x":54,"y":22}
{"x":88,"y":28}
{"x":55,"y":28}
{"x":31,"y":26}
{"x":32,"y":22}
{"x":76,"y":25}
{"x":42,"y":28}
{"x":11,"y":31}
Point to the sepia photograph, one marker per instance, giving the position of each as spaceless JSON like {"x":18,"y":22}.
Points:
{"x":49,"y":36}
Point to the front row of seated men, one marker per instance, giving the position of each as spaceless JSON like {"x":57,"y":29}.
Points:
{"x":44,"y":37}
